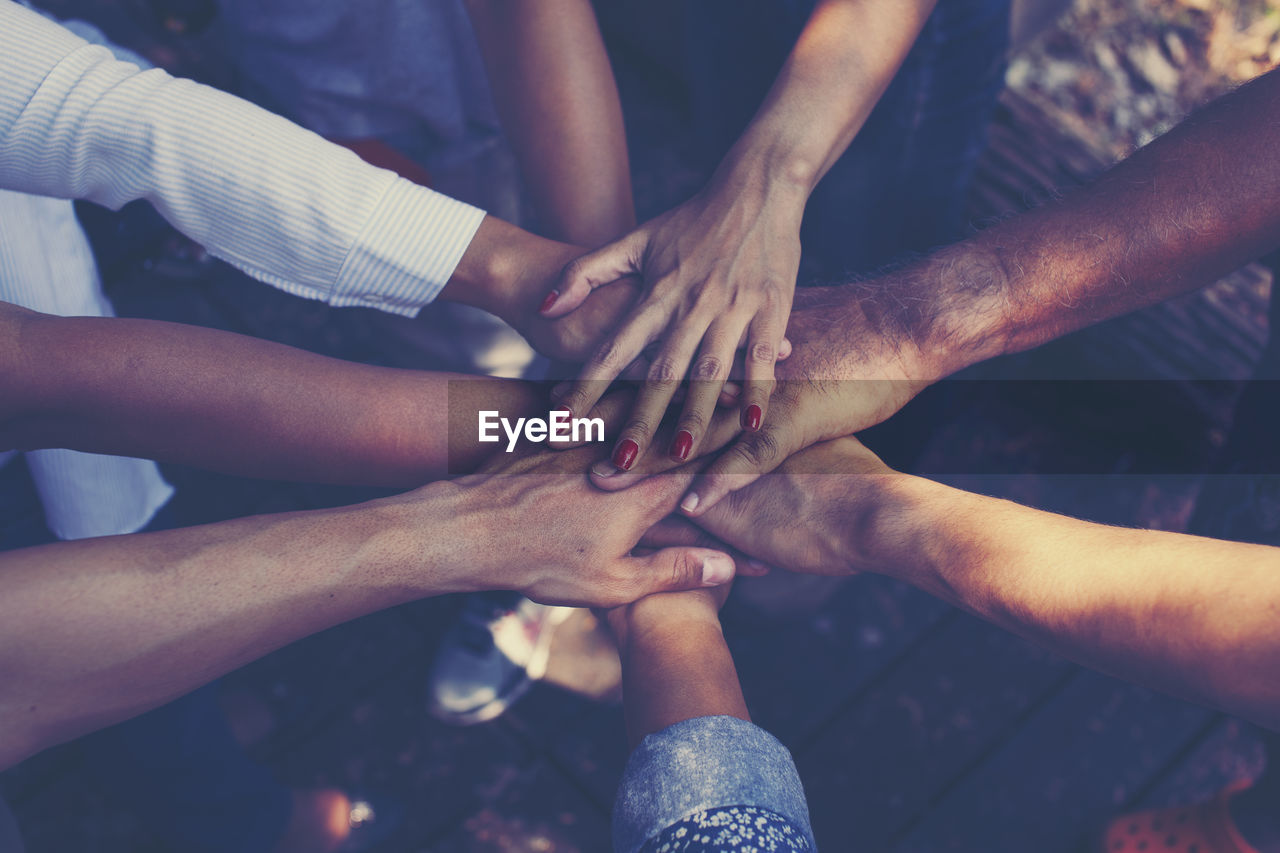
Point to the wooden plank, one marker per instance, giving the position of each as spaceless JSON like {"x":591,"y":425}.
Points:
{"x":882,"y":761}
{"x":1057,"y":779}
{"x":308,"y":686}
{"x":536,"y":812}
{"x":865,"y":629}
{"x":79,"y":814}
{"x":1228,"y":752}
{"x":386,"y":743}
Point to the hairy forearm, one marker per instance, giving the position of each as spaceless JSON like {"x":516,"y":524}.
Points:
{"x":97,"y":630}
{"x":237,"y":404}
{"x":675,"y":667}
{"x":1183,"y":211}
{"x":1192,"y":616}
{"x":559,"y":104}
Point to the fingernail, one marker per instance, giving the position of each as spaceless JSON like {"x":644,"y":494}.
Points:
{"x":682,"y":445}
{"x":549,"y":301}
{"x":625,"y":454}
{"x":565,"y":409}
{"x":605,"y":470}
{"x":758,"y":566}
{"x":716,"y":569}
{"x":731,"y":390}
{"x":751,"y":417}
{"x":690,"y":502}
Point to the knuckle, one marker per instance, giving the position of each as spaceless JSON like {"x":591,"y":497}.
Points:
{"x":664,"y":371}
{"x":694,"y":421}
{"x":627,"y":586}
{"x":575,"y":271}
{"x":760,"y":450}
{"x":772,"y":289}
{"x":685,"y":570}
{"x":763,"y":352}
{"x":708,"y":368}
{"x":576,"y":400}
{"x":638,"y":431}
{"x":611,"y":357}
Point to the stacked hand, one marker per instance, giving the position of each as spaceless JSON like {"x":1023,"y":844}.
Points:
{"x":532,"y":523}
{"x":848,"y":370}
{"x":719,"y":273}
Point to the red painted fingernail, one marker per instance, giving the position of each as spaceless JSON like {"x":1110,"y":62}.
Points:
{"x":549,"y":301}
{"x":751,"y":417}
{"x":682,"y":445}
{"x":625,"y":455}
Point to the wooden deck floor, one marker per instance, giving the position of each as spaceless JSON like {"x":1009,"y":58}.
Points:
{"x":916,"y":727}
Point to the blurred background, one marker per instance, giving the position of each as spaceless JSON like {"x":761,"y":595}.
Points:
{"x":915,"y":727}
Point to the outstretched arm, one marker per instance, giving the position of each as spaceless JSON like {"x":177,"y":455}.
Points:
{"x":96,"y":630}
{"x":237,"y":404}
{"x":1192,"y":616}
{"x":720,"y":270}
{"x":559,"y":104}
{"x":287,"y":207}
{"x":1183,"y":211}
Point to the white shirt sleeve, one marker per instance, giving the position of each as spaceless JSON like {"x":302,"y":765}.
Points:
{"x":278,"y":201}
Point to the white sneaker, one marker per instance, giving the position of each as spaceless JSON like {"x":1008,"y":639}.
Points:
{"x":489,"y":658}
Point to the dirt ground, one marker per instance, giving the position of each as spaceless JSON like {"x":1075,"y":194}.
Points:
{"x":1117,"y":73}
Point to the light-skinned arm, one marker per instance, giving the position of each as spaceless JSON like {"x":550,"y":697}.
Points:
{"x":720,"y":270}
{"x":1192,"y":616}
{"x":555,"y":92}
{"x":97,"y":630}
{"x":279,"y":202}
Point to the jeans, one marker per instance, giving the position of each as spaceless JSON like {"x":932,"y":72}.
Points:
{"x":900,"y":187}
{"x":709,"y":772}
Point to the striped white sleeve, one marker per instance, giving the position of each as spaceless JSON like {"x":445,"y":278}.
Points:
{"x":274,"y":199}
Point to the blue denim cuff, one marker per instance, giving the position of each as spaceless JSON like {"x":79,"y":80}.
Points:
{"x":701,"y":764}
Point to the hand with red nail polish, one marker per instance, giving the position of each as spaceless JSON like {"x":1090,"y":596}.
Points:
{"x":719,"y":273}
{"x":535,"y":265}
{"x":534,"y":524}
{"x":846,"y":372}
{"x":624,"y":456}
{"x":681,"y":445}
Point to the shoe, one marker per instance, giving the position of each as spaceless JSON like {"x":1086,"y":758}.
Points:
{"x":491,"y":656}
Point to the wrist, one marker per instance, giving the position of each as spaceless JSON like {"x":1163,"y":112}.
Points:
{"x":507,"y":271}
{"x":774,"y":174}
{"x":971,"y":298}
{"x":884,"y":519}
{"x":943,"y":313}
{"x":664,"y":619}
{"x":418,"y":541}
{"x":915,"y":532}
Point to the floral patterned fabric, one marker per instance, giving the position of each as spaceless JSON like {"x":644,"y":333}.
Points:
{"x":741,"y":829}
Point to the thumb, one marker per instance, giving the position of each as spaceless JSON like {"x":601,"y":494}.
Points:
{"x":594,"y":269}
{"x":675,"y":569}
